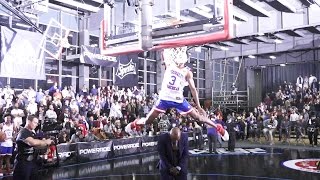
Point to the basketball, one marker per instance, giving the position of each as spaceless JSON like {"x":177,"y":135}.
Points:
{"x":2,"y":136}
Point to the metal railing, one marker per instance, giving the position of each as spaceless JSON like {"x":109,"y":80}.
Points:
{"x":230,"y":100}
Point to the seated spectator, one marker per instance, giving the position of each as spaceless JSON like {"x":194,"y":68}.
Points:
{"x":164,"y":124}
{"x":63,"y":137}
{"x":51,"y":115}
{"x":270,"y":126}
{"x":77,"y":137}
{"x":108,"y":129}
{"x":91,"y":137}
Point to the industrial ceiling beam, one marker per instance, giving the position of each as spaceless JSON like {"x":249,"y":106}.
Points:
{"x":281,"y":5}
{"x":251,"y":8}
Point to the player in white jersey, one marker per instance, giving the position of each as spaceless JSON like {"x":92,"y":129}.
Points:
{"x":171,"y":95}
{"x":6,"y":147}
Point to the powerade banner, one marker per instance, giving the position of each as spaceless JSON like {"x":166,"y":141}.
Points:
{"x":21,"y":54}
{"x":67,"y":153}
{"x":88,"y":151}
{"x":127,"y":71}
{"x":91,"y":55}
{"x":126,"y":146}
{"x":149,"y":144}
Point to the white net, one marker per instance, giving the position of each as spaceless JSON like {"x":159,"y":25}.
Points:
{"x":175,"y":55}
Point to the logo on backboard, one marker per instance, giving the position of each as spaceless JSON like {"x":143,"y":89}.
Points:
{"x":307,"y":165}
{"x":126,"y":69}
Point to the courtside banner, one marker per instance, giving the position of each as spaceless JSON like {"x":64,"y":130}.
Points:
{"x":127,"y":71}
{"x":92,"y":55}
{"x":126,"y":146}
{"x":67,"y":153}
{"x":149,"y":143}
{"x":88,"y":151}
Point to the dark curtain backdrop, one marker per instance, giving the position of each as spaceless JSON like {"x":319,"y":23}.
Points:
{"x":274,"y":76}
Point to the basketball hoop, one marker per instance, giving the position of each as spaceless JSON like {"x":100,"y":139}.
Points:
{"x":64,"y":43}
{"x":175,"y":55}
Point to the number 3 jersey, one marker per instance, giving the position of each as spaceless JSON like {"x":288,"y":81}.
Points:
{"x":8,"y":130}
{"x":174,"y":80}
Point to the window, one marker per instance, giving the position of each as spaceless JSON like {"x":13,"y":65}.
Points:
{"x":151,"y":89}
{"x":141,"y":76}
{"x":106,"y":72}
{"x":217,"y":67}
{"x":93,"y":82}
{"x":51,"y":66}
{"x":105,"y":83}
{"x":94,"y":41}
{"x":46,"y":84}
{"x":202,"y":93}
{"x":70,"y":81}
{"x":152,"y":78}
{"x":202,"y":74}
{"x":21,"y":83}
{"x":151,"y":66}
{"x":94,"y":72}
{"x":202,"y":64}
{"x":70,"y":69}
{"x":202,"y":83}
{"x":3,"y":82}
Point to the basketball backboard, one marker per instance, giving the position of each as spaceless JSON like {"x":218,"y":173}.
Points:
{"x":171,"y":23}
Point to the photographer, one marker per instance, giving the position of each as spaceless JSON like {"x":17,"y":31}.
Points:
{"x":26,"y":165}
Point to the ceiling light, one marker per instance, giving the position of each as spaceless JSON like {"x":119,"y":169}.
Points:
{"x":80,"y":5}
{"x":278,"y":41}
{"x":272,"y":57}
{"x":23,"y":25}
{"x":263,"y":66}
{"x":205,"y":8}
{"x":251,"y":56}
{"x":224,"y":48}
{"x":282,"y":65}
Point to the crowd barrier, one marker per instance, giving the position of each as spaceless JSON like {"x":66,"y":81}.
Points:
{"x":90,"y":151}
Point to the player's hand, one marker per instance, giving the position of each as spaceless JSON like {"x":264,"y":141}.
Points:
{"x":49,"y":142}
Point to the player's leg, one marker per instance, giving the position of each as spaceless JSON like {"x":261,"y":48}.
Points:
{"x":152,"y":115}
{"x":160,"y":107}
{"x":186,"y":108}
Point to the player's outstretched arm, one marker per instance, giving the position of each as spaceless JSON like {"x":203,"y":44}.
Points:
{"x":194,"y":91}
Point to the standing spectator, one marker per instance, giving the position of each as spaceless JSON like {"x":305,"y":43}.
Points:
{"x":18,"y":114}
{"x":198,"y":136}
{"x":94,"y":90}
{"x":32,"y":107}
{"x":312,"y":79}
{"x":299,"y":82}
{"x":212,"y":138}
{"x":294,"y":117}
{"x":39,"y":96}
{"x":284,"y":129}
{"x":164,"y":124}
{"x":6,"y":147}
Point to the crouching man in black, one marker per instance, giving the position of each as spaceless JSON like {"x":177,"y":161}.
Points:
{"x":26,"y":166}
